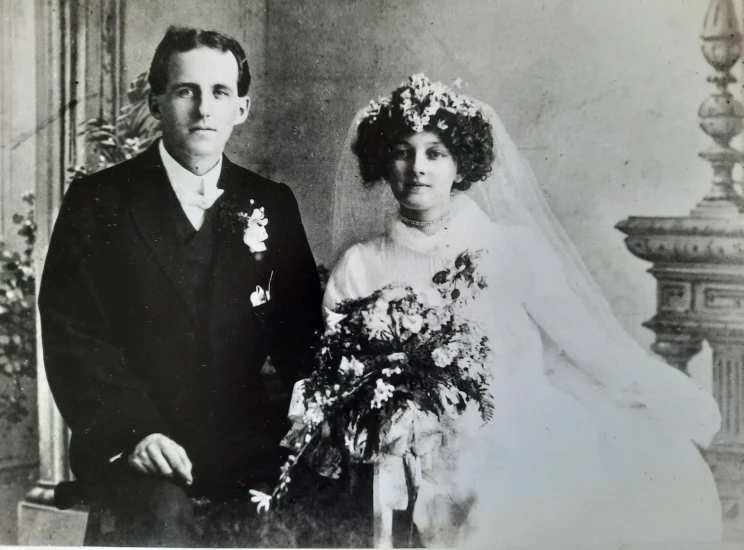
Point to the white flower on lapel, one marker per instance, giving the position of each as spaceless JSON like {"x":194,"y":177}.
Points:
{"x":261,"y":296}
{"x":255,"y":230}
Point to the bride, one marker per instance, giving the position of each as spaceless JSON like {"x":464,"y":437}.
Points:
{"x":592,"y":440}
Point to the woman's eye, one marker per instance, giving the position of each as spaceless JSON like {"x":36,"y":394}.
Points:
{"x":435,"y":154}
{"x":400,"y":154}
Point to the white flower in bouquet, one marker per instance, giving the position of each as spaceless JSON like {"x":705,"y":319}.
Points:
{"x":413,"y":323}
{"x":351,"y":365}
{"x":333,"y":320}
{"x":376,"y":322}
{"x":430,"y":297}
{"x":434,"y":321}
{"x":383,"y":392}
{"x":262,"y":500}
{"x":398,"y":357}
{"x":454,"y":348}
{"x":442,"y":357}
{"x":388,"y":372}
{"x":313,"y":414}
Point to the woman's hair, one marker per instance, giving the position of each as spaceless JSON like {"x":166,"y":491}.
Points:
{"x":417,"y":106}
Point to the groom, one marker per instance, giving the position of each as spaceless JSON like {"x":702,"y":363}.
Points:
{"x":169,"y":280}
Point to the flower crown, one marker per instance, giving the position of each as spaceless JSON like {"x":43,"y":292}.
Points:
{"x":419,"y":99}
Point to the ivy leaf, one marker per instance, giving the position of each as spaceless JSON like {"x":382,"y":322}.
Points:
{"x":441,"y":277}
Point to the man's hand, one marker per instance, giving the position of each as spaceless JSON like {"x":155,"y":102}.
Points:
{"x":161,"y":456}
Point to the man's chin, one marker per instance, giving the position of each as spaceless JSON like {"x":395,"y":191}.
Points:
{"x":204,"y":148}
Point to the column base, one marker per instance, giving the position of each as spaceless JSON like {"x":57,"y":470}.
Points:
{"x":727,"y":464}
{"x":40,"y":523}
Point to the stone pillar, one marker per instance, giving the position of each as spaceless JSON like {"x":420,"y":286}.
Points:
{"x":79,"y":46}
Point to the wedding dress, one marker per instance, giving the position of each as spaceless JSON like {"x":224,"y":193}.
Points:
{"x":550,"y":467}
{"x":592,"y":440}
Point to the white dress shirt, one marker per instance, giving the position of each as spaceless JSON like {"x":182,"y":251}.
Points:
{"x":195,"y":193}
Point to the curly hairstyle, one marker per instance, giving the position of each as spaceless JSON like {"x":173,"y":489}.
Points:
{"x":185,"y":39}
{"x":467,"y":137}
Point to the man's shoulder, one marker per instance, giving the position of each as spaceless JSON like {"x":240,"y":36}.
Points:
{"x":113,"y":179}
{"x":253,"y":183}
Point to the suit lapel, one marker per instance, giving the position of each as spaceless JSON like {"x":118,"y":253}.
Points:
{"x":150,"y":209}
{"x":237,"y":271}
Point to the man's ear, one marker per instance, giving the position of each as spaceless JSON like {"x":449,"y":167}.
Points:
{"x":245,"y":106}
{"x":154,"y":105}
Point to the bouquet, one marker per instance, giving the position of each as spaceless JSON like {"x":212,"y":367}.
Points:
{"x":397,"y":350}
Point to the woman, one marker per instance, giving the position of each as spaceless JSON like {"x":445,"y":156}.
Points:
{"x":592,"y":441}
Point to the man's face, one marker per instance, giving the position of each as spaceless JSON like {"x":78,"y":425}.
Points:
{"x":200,"y":105}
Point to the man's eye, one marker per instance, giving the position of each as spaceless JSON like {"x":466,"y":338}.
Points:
{"x":184,"y":92}
{"x":222,"y":93}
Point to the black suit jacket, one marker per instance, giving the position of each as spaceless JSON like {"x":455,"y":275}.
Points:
{"x":127,"y":355}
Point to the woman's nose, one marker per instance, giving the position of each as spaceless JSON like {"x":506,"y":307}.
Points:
{"x":419,"y":163}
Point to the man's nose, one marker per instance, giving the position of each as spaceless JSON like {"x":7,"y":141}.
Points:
{"x":204,"y":105}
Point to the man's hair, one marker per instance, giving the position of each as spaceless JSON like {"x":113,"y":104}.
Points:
{"x":185,"y":39}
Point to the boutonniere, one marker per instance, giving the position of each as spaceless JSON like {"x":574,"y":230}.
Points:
{"x":255,"y":232}
{"x":261,"y":296}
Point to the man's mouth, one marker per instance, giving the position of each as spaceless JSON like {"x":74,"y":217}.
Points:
{"x":201,"y":129}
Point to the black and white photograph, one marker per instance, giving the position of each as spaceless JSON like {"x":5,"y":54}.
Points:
{"x":372,"y":273}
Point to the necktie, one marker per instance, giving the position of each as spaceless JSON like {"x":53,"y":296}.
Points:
{"x":196,"y":204}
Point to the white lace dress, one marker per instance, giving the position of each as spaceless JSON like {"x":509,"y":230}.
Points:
{"x":552,"y":466}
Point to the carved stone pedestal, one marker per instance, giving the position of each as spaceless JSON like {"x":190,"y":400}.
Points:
{"x":698,"y":262}
{"x":699,"y":267}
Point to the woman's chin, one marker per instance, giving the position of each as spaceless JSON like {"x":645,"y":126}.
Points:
{"x":419,"y":207}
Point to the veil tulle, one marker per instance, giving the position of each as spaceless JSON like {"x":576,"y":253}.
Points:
{"x":630,"y":377}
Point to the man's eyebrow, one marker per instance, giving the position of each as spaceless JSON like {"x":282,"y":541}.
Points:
{"x":184,"y":84}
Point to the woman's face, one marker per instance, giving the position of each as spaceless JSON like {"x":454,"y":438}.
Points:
{"x":421,"y":172}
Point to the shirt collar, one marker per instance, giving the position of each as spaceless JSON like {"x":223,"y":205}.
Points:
{"x":183,"y":180}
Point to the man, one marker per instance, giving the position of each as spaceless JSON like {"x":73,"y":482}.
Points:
{"x":169,"y":280}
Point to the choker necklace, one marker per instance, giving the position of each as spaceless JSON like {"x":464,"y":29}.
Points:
{"x":416,"y":223}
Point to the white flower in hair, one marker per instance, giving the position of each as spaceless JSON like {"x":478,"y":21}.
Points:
{"x":420,"y":100}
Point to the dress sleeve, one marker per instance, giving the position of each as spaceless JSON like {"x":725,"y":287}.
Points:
{"x":349,"y":279}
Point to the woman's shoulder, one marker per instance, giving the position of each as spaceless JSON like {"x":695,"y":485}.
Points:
{"x":362,"y":251}
{"x":352,"y":273}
